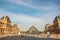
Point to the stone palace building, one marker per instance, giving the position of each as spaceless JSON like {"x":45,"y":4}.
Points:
{"x":6,"y":27}
{"x":55,"y":27}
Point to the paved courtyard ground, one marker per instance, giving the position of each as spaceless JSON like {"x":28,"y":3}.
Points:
{"x":25,"y":38}
{"x":29,"y":37}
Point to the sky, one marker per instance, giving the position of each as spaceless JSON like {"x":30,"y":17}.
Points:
{"x":26,"y":13}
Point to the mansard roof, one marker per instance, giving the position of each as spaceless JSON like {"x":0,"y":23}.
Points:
{"x":6,"y":18}
{"x":56,"y":19}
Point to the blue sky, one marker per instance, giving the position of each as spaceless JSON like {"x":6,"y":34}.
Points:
{"x":26,"y":13}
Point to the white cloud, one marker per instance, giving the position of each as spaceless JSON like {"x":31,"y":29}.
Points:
{"x":49,"y":7}
{"x":25,"y":22}
{"x":24,"y":19}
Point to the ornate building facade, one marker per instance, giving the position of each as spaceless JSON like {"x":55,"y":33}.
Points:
{"x":6,"y":27}
{"x":55,"y":28}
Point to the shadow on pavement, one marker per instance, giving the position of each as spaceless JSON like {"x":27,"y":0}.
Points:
{"x":25,"y":38}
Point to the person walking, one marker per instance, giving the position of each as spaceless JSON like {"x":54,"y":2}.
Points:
{"x":48,"y":34}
